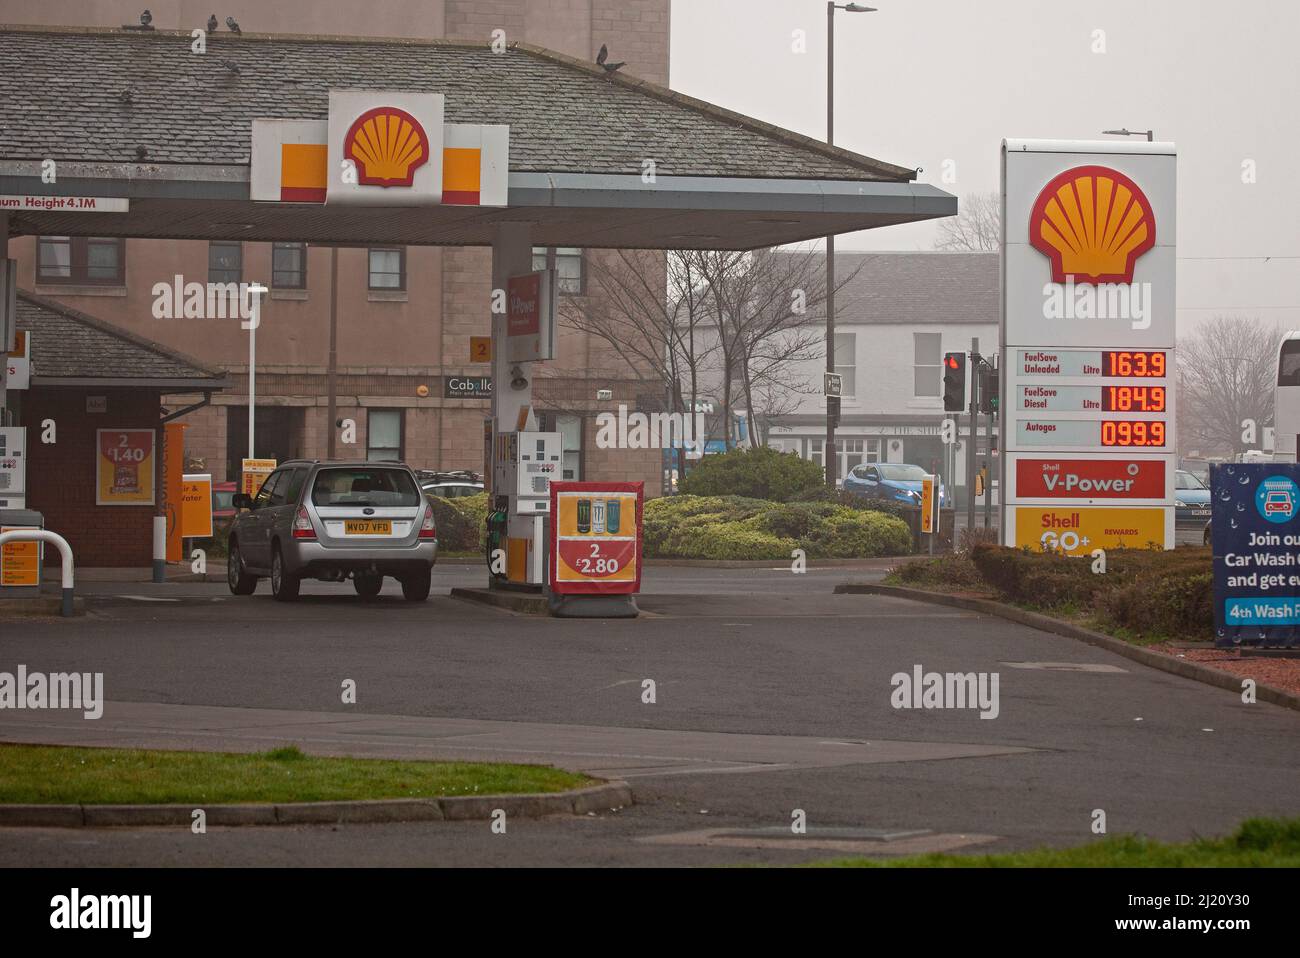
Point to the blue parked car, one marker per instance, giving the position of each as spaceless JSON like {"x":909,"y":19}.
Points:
{"x":893,"y":481}
{"x":1191,"y":500}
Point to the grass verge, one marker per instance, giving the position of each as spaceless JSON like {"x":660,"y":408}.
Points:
{"x":1257,"y":843}
{"x":48,"y":775}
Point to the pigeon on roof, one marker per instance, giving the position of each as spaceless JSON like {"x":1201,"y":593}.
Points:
{"x":603,"y":55}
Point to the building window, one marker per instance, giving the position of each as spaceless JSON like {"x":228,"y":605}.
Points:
{"x":815,"y":451}
{"x":89,"y":260}
{"x":388,"y":268}
{"x":570,"y":430}
{"x":570,"y":268}
{"x":225,"y":262}
{"x":927,"y":364}
{"x":851,"y":455}
{"x":846,"y":363}
{"x":385,"y":430}
{"x":289,"y":265}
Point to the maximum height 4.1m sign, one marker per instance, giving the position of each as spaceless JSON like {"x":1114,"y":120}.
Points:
{"x":1087,"y":339}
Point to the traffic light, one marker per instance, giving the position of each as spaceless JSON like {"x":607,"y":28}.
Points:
{"x":954,"y":382}
{"x":988,"y":390}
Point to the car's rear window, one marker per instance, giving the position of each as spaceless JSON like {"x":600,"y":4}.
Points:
{"x":364,"y":486}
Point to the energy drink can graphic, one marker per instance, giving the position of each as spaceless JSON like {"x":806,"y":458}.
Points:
{"x":598,"y":516}
{"x":584,"y":516}
{"x":611,"y":516}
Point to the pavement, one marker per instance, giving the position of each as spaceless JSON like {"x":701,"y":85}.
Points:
{"x":771,"y":696}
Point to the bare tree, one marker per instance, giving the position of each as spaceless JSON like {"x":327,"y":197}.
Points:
{"x":769,"y":308}
{"x":1226,"y":376}
{"x":645,"y":306}
{"x":734,"y":324}
{"x":976,"y":228}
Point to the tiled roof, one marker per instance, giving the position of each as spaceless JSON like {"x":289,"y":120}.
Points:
{"x":917,"y":288}
{"x":67,"y":344}
{"x":101,"y":95}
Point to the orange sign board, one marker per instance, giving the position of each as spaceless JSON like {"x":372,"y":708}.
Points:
{"x":20,"y":562}
{"x":1078,"y":530}
{"x":124,"y":467}
{"x":927,"y":505}
{"x":596,"y":538}
{"x":480,"y":349}
{"x":196,"y":507}
{"x":253,"y":473}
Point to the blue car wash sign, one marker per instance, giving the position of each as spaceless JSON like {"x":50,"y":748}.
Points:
{"x":1255,"y":520}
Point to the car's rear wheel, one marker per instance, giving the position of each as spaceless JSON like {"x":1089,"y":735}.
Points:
{"x":367,"y":584}
{"x":415,"y":585}
{"x":240,"y":582}
{"x":283,"y":585}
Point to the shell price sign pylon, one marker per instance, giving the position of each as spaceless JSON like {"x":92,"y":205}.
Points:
{"x":1087,"y":343}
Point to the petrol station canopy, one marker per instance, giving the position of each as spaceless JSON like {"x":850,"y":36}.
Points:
{"x":139,"y":116}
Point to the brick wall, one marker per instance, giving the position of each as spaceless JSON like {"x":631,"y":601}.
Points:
{"x":61,"y":475}
{"x":636,"y":31}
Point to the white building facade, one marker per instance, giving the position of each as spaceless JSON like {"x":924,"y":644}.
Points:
{"x":896,"y":316}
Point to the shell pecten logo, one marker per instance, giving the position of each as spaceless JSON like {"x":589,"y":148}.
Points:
{"x":388,"y":145}
{"x":1093,"y":223}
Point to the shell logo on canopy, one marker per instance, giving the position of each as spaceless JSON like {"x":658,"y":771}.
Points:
{"x":1092,"y":223}
{"x":388,"y":145}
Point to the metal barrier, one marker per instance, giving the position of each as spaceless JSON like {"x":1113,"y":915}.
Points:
{"x":65,"y":551}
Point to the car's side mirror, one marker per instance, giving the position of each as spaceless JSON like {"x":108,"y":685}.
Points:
{"x":241,"y":500}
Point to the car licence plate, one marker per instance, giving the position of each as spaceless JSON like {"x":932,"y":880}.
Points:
{"x":367,"y":527}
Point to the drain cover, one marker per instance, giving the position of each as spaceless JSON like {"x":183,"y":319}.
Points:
{"x":1065,"y":666}
{"x":824,"y":833}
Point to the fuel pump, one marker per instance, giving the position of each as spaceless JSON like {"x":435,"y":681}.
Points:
{"x":523,"y":465}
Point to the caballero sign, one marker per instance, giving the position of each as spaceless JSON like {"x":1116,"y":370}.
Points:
{"x":467,"y":387}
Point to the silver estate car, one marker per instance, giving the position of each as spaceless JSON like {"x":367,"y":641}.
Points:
{"x":330,"y":521}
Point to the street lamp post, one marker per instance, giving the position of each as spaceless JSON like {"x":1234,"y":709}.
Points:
{"x":829,"y":457}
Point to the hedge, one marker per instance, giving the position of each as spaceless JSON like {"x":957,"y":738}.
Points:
{"x":759,"y":473}
{"x":738,"y":527}
{"x":461,"y":522}
{"x":1150,"y":593}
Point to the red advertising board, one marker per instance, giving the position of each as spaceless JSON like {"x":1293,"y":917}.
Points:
{"x":1090,"y":478}
{"x":595,"y":541}
{"x":524,"y":305}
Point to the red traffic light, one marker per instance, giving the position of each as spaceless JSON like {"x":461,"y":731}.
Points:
{"x":952,"y":362}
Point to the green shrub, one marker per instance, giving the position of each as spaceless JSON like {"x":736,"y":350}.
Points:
{"x":758,"y":473}
{"x":680,"y":527}
{"x":723,"y":540}
{"x":857,"y":534}
{"x":890,"y":507}
{"x":1150,"y":593}
{"x":955,"y":571}
{"x":461,"y":522}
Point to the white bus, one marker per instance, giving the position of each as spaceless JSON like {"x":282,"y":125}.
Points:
{"x":1286,"y":399}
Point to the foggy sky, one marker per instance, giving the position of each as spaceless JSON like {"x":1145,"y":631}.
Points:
{"x":924,"y":81}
